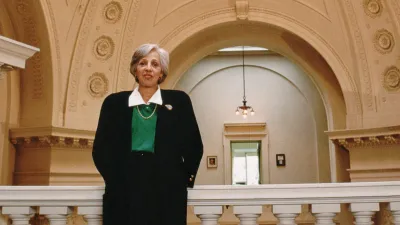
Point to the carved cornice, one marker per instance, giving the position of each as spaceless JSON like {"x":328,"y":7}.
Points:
{"x":15,"y":53}
{"x":361,"y":138}
{"x":43,"y":137}
{"x":371,"y":141}
{"x":261,"y":124}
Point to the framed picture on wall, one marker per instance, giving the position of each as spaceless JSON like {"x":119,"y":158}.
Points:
{"x":212,"y":162}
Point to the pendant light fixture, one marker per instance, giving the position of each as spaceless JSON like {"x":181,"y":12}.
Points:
{"x":244,"y":109}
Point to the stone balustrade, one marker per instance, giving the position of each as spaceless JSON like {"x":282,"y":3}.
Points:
{"x":56,"y":203}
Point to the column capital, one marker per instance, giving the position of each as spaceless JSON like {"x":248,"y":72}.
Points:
{"x":4,"y":69}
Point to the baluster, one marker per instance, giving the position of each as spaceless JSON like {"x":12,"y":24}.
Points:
{"x":92,"y":214}
{"x":395,"y":208}
{"x":56,"y":215}
{"x":286,"y":213}
{"x":208,"y":215}
{"x":324,"y":213}
{"x":247,"y":214}
{"x":363,"y":212}
{"x":20,"y":215}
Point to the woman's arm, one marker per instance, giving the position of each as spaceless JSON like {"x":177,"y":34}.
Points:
{"x":193,"y":151}
{"x":103,"y":140}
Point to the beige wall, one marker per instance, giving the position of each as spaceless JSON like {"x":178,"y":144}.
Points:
{"x":282,"y":95}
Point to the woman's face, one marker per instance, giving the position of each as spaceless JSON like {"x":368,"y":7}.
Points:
{"x":148,"y":70}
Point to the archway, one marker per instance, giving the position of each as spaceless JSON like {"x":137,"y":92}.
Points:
{"x":337,"y":88}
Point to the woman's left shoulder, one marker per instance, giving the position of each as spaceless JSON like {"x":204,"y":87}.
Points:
{"x":175,"y":93}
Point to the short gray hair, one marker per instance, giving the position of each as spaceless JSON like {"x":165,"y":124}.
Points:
{"x":143,"y":51}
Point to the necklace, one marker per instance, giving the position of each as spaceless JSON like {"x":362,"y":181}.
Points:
{"x":146,"y":118}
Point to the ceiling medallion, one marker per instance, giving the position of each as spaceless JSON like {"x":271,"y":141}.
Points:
{"x":97,"y":85}
{"x":373,"y":8}
{"x":103,"y":47}
{"x":112,"y":12}
{"x":391,"y":79}
{"x":384,"y":41}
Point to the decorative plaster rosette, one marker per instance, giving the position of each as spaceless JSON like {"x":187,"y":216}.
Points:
{"x":391,"y":79}
{"x":22,"y":7}
{"x":373,"y":8}
{"x":97,"y":85}
{"x":103,"y":47}
{"x":112,"y":12}
{"x":384,"y":41}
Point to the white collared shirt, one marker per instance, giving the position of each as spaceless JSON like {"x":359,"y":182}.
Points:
{"x":136,"y":98}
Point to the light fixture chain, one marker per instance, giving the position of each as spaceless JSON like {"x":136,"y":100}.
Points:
{"x":244,"y":80}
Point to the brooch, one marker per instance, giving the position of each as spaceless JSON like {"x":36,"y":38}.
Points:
{"x":169,"y":107}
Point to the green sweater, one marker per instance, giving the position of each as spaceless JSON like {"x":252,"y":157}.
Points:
{"x":144,"y":130}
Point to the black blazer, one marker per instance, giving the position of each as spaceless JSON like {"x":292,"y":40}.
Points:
{"x":178,"y":142}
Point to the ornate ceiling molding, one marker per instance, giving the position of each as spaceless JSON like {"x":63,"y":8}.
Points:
{"x":360,"y":48}
{"x":42,"y":137}
{"x":361,"y":138}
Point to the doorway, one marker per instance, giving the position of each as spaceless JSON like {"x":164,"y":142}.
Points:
{"x":246,"y":162}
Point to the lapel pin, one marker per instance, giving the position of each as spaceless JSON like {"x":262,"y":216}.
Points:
{"x":169,"y":107}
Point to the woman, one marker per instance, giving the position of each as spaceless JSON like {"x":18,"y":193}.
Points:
{"x":147,"y":147}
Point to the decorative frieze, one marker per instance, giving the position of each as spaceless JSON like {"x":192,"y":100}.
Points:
{"x":366,"y":137}
{"x":360,"y":47}
{"x":78,"y":57}
{"x":31,"y":37}
{"x":52,"y":141}
{"x":373,"y":153}
{"x":51,"y":137}
{"x":368,"y":141}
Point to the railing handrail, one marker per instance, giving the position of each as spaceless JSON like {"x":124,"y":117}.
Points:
{"x":324,"y":193}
